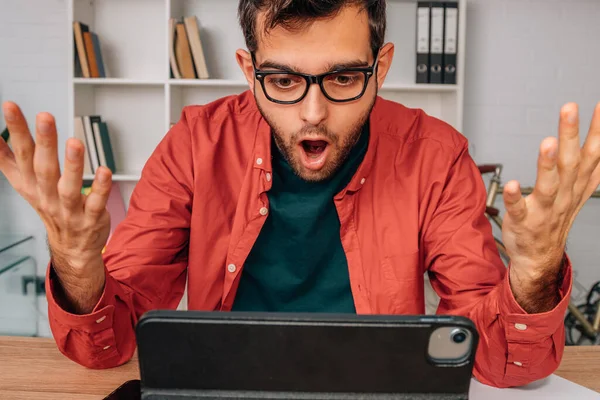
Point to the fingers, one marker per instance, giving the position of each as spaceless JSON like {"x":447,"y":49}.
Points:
{"x":8,"y":165}
{"x":548,"y":180}
{"x":95,"y":203}
{"x":569,"y":146}
{"x":591,"y":186}
{"x":45,"y":159}
{"x":22,"y":142}
{"x":514,"y":202}
{"x":69,"y":184}
{"x":590,"y":154}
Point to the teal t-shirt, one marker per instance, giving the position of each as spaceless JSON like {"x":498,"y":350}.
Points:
{"x":297,"y":263}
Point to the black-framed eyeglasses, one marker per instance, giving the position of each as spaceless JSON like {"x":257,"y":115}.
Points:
{"x":342,"y":85}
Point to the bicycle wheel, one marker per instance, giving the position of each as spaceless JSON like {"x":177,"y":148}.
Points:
{"x":594,"y":294}
{"x":502,"y":251}
{"x":574,"y":333}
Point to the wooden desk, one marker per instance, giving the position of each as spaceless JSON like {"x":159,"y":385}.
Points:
{"x":33,"y":368}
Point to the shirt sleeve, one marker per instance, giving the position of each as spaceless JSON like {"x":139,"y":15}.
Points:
{"x":145,"y":260}
{"x":465,"y":269}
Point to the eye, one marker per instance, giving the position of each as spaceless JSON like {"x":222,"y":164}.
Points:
{"x":284,"y":81}
{"x":345,"y":78}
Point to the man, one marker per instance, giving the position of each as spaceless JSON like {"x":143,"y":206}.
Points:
{"x":309,"y":193}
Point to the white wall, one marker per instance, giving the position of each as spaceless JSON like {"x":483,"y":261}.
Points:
{"x":525,"y":58}
{"x":33,"y":73}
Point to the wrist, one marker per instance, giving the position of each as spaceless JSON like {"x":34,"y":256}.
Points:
{"x":535,"y":292}
{"x":79,"y":289}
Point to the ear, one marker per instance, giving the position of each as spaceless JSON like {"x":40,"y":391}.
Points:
{"x":386,"y":54}
{"x":244,"y":60}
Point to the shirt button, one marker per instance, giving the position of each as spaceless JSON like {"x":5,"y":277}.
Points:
{"x":263,"y":211}
{"x":362,"y":181}
{"x":518,"y":364}
{"x":521,"y":327}
{"x":231,"y":268}
{"x":268,"y":176}
{"x":100,"y":319}
{"x":259,"y":161}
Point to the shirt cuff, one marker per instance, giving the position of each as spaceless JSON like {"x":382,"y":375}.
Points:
{"x":98,"y":320}
{"x":529,"y":328}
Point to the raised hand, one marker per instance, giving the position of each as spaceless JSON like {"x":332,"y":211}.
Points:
{"x":77,"y":225}
{"x":536,"y":227}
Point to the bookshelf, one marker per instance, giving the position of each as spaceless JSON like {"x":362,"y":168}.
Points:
{"x":139,"y":100}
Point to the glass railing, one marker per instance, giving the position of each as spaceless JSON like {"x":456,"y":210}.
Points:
{"x":18,"y":283}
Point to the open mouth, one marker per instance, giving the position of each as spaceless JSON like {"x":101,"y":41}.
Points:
{"x":314,"y":153}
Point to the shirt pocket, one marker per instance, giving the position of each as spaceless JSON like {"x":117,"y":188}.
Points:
{"x":401,"y":284}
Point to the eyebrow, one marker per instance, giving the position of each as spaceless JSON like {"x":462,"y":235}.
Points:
{"x":330,"y":67}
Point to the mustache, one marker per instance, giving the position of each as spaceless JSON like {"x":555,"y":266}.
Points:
{"x":309,"y":131}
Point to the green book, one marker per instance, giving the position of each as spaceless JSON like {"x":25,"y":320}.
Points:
{"x":106,"y":145}
{"x":5,"y":135}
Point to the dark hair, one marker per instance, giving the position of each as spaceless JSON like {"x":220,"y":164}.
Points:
{"x":294,"y":13}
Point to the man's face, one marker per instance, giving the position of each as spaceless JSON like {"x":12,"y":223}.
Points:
{"x":316,"y":134}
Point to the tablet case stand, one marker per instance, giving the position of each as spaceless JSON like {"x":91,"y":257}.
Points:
{"x":235,"y":355}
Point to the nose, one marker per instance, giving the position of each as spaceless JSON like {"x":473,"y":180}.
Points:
{"x":313,"y":109}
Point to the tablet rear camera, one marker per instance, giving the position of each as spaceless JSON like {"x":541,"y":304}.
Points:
{"x":458,"y":336}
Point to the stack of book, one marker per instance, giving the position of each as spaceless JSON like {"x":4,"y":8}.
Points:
{"x":186,"y":56}
{"x":93,"y":133}
{"x":88,"y":62}
{"x":437,"y":41}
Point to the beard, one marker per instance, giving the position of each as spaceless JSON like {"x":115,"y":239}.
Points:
{"x":338,"y":154}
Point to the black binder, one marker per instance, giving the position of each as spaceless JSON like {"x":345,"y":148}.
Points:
{"x":437,"y":43}
{"x":422,"y":67}
{"x":450,"y":42}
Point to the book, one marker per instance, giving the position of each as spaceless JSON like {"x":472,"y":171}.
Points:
{"x":88,"y":61}
{"x":450,"y":42}
{"x":79,"y":133}
{"x":89,"y":50}
{"x":94,"y":133}
{"x":77,"y":69}
{"x":423,"y":42}
{"x":98,"y":141}
{"x":193,"y":34}
{"x":91,"y":141}
{"x":183,"y":52}
{"x":5,"y":135}
{"x":107,"y":147}
{"x":98,"y":54}
{"x":79,"y":29}
{"x":172,"y":57}
{"x":436,"y":50}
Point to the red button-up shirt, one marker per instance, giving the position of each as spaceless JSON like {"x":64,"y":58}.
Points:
{"x":415,"y":205}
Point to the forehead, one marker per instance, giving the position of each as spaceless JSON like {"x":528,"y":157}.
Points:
{"x":344,"y":36}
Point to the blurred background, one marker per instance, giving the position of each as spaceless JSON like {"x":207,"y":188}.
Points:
{"x":518,"y":62}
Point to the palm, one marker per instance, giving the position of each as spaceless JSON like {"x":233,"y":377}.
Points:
{"x":536,"y":227}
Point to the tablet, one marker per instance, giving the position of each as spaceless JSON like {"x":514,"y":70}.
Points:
{"x":197,"y":354}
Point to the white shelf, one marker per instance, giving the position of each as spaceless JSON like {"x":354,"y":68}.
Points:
{"x":139,"y":100}
{"x":422,"y":87}
{"x":117,"y":177}
{"x":209,"y":82}
{"x":242,"y":84}
{"x":117,"y":81}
